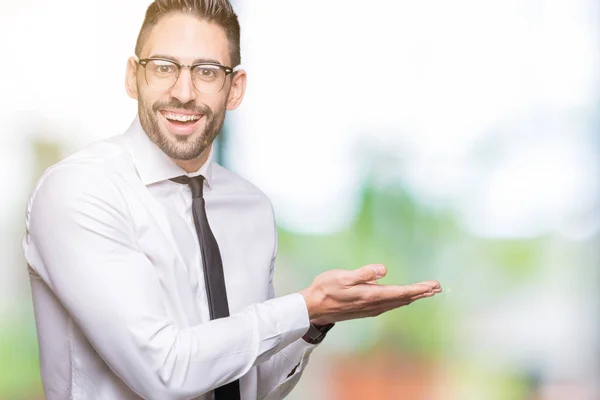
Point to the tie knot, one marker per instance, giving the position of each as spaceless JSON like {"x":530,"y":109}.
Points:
{"x":195,"y":183}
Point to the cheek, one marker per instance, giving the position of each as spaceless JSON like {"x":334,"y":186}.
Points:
{"x":222,"y":106}
{"x":147,"y":99}
{"x":216,"y":104}
{"x":146,"y":96}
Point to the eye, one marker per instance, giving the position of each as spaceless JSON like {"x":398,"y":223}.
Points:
{"x":164,"y":68}
{"x":207,"y":72}
{"x":160,"y":67}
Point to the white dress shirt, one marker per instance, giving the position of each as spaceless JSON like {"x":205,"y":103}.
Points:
{"x":118,"y":287}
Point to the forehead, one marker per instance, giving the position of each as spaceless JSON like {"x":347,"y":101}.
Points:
{"x":187,"y":38}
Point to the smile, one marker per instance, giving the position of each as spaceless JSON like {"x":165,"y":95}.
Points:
{"x":181,"y":117}
{"x":180,"y":123}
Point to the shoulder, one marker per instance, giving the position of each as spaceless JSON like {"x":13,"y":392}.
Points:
{"x":229,"y":183}
{"x":87,"y":176}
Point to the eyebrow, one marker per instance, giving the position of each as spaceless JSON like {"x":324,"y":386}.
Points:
{"x":196,"y":61}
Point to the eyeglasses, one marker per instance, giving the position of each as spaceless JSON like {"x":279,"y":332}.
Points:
{"x":162,"y":74}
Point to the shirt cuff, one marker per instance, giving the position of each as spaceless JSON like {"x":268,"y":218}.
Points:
{"x":292,"y":317}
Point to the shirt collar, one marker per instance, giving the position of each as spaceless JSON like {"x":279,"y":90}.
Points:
{"x":152,"y":164}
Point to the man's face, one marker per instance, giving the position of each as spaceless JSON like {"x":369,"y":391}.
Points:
{"x":182,"y":121}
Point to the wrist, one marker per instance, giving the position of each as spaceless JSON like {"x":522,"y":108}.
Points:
{"x":313,"y":307}
{"x":316,"y":333}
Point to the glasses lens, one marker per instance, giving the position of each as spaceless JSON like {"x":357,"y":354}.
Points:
{"x":161,"y":75}
{"x":208,"y":78}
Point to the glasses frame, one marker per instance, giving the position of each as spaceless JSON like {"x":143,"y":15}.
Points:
{"x":144,"y":62}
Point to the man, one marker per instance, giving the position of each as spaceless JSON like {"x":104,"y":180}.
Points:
{"x":151,"y":266}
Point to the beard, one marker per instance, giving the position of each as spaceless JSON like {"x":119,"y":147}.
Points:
{"x":179,"y":147}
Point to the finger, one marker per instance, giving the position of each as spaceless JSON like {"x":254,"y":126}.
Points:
{"x":433,"y":284}
{"x":394,"y":292}
{"x":392,"y":305}
{"x":365,"y":274}
{"x":374,"y":310}
{"x":423,"y":296}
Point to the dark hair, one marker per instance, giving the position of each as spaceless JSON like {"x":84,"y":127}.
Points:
{"x":218,"y":12}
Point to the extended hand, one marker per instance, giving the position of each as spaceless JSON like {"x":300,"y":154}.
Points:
{"x":339,"y":295}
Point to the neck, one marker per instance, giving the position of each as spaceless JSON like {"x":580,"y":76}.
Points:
{"x":195,"y":164}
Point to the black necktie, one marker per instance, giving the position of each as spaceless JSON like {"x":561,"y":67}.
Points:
{"x":213,"y":270}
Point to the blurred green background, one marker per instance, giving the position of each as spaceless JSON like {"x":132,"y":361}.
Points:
{"x":457,"y":142}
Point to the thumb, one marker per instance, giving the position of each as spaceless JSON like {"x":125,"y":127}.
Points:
{"x":368,"y":273}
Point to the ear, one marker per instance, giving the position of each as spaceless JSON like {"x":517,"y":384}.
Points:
{"x":131,"y":78}
{"x":238,"y":88}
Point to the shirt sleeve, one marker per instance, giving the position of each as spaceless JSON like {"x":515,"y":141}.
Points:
{"x":80,"y":239}
{"x":279,"y":374}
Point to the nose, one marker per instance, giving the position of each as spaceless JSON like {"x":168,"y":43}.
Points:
{"x":184,"y":89}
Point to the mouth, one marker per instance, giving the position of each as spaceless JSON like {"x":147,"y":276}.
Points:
{"x":181,"y":122}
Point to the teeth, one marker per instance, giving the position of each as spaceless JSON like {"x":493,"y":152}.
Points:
{"x":182,"y":118}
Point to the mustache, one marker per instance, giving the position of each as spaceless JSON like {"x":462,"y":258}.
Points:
{"x":189,"y":106}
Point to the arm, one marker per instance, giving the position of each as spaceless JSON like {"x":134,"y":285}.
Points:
{"x":334,"y":296}
{"x":81,"y":241}
{"x":279,"y":374}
